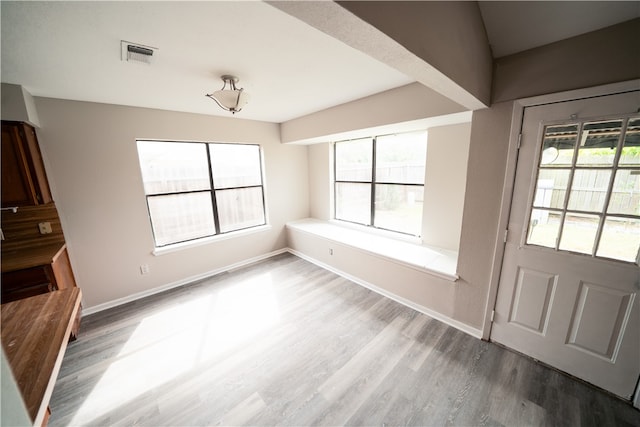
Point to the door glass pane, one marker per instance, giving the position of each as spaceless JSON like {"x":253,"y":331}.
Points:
{"x":354,"y":160}
{"x":170,"y":167}
{"x":180,"y":217}
{"x":240,"y":208}
{"x":631,"y":151}
{"x":399,"y":208}
{"x":235,"y":165}
{"x":401,"y":158}
{"x":543,"y":228}
{"x":589,"y":189}
{"x":558,"y":145}
{"x":625,"y":197}
{"x":598,"y":143}
{"x":353,"y":202}
{"x":551,"y":188}
{"x":620,"y":239}
{"x":579,"y":233}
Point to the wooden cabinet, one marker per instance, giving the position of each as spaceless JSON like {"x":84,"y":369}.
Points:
{"x":24,"y":180}
{"x":38,"y":270}
{"x":51,"y":271}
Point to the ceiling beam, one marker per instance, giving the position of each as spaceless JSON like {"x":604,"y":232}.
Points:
{"x":415,"y":38}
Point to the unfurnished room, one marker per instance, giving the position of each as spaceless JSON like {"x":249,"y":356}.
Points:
{"x":320,"y":213}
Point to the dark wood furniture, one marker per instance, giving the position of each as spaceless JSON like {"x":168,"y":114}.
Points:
{"x":40,"y":300}
{"x":24,"y":180}
{"x":36,"y":270}
{"x":33,"y":271}
{"x":35,"y":332}
{"x":32,"y":263}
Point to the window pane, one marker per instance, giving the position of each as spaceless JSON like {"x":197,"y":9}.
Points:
{"x":552,"y":188}
{"x":625,"y":197}
{"x":171,"y":167}
{"x":598,"y":143}
{"x":180,"y":217}
{"x":240,"y":208}
{"x":631,"y":151}
{"x":353,"y":202}
{"x":399,"y":208}
{"x":235,"y":165}
{"x":558,"y":145}
{"x":620,"y":239}
{"x":401,"y":158}
{"x":579,"y":233}
{"x":354,"y":160}
{"x":589,"y":190}
{"x":543,"y":228}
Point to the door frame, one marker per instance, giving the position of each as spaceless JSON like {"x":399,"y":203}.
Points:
{"x":517,"y":116}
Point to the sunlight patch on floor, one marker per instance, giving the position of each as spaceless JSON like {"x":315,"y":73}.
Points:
{"x":183,"y":337}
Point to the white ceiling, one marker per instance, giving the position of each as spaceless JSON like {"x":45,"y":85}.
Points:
{"x":71,"y":50}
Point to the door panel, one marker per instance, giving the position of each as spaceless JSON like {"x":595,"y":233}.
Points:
{"x":598,"y":322}
{"x":532,"y":299}
{"x":560,"y":300}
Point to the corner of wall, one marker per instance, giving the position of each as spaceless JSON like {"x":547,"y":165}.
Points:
{"x":18,"y":105}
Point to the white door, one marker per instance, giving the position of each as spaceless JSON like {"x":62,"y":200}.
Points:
{"x":570,"y":281}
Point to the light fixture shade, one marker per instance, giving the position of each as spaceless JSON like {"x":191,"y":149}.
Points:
{"x":230,"y":99}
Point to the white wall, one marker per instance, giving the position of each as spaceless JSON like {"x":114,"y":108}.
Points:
{"x":445,"y":182}
{"x":407,"y":104}
{"x":320,"y":179}
{"x":92,"y":163}
{"x":573,"y":63}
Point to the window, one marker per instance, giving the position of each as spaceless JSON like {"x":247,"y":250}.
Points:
{"x":587,"y":195}
{"x":197,"y":190}
{"x":379,"y":181}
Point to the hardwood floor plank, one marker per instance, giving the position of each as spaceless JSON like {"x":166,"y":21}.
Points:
{"x":426,"y":343}
{"x":284,"y":342}
{"x":358,"y":388}
{"x":244,"y":411}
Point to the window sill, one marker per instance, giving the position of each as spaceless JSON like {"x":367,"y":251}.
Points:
{"x":208,"y":240}
{"x":436,"y":261}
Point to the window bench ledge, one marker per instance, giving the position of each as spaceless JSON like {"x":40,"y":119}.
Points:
{"x":436,"y":261}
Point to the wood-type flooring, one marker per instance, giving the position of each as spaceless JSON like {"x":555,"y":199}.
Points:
{"x":284,"y":342}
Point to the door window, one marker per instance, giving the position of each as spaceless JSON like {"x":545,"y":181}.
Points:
{"x":587,"y":194}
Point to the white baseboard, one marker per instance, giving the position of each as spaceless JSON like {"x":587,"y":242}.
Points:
{"x":182,"y":282}
{"x":438,"y":316}
{"x":476,"y":333}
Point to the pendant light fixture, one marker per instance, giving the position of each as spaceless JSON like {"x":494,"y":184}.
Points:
{"x":229,"y":97}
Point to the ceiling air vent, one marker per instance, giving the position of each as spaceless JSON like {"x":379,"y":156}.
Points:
{"x":135,"y":52}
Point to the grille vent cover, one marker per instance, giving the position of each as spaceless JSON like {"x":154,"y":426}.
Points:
{"x":136,"y":52}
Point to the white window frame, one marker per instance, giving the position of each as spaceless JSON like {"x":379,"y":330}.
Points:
{"x":371,"y":226}
{"x":218,"y":235}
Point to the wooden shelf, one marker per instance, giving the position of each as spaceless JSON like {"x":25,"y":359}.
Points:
{"x":35,"y":332}
{"x":31,"y":257}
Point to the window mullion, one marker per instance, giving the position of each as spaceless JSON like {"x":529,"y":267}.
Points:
{"x":335,"y":182}
{"x":373,"y":181}
{"x":612,"y":178}
{"x":569,"y":185}
{"x":214,"y":202}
